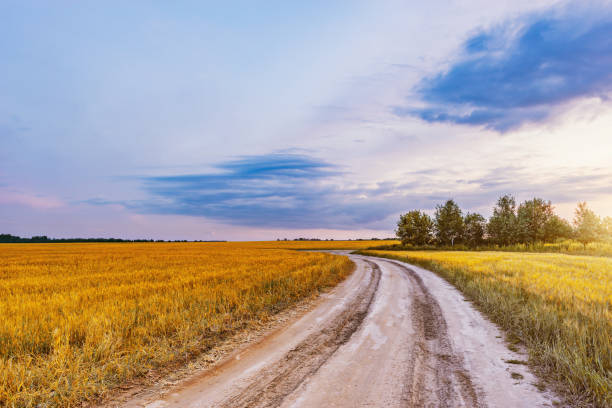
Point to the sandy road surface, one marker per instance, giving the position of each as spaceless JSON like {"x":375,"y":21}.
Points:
{"x":391,"y":335}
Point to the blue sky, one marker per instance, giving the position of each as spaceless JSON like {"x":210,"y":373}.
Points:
{"x":202,"y":120}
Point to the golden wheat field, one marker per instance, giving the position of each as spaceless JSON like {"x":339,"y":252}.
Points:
{"x":79,"y":319}
{"x":559,"y":306}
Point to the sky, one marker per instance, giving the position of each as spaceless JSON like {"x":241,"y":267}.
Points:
{"x":247,"y":120}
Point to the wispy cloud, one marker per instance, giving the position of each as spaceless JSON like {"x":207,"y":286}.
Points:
{"x":521,"y":71}
{"x":37,"y":201}
{"x":274,"y":190}
{"x":299,"y":191}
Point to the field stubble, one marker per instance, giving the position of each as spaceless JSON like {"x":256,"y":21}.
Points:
{"x":79,"y":319}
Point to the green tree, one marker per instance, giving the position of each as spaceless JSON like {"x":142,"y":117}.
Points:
{"x":556,"y":227}
{"x":532,"y":216}
{"x":415,"y":227}
{"x":474,"y":230}
{"x":588,"y":227}
{"x":503,"y":227}
{"x":448,"y":222}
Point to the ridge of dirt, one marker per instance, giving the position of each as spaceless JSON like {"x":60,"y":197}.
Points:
{"x":438,"y":363}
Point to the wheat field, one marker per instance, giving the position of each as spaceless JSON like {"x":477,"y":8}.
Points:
{"x":78,"y":319}
{"x":559,"y":306}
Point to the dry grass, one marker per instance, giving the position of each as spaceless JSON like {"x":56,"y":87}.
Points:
{"x":568,"y":246}
{"x":79,"y":319}
{"x":559,"y":306}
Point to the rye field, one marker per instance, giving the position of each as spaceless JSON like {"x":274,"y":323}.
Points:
{"x":77,"y":320}
{"x":559,"y":306}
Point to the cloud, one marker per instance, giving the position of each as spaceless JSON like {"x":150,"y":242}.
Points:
{"x":296,"y":191}
{"x":274,"y":190}
{"x":522,"y":70}
{"x":37,"y":201}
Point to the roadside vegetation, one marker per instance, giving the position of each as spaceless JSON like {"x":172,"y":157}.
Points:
{"x":79,"y":319}
{"x":561,"y":246}
{"x":558,"y":306}
{"x":531,"y":226}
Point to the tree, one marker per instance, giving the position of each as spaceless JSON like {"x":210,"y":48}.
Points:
{"x":555,"y":228}
{"x":448,"y":222}
{"x":607,"y":227}
{"x":588,"y":227}
{"x":502,"y":227}
{"x":474,"y":230}
{"x":532,"y":216}
{"x":415,"y":227}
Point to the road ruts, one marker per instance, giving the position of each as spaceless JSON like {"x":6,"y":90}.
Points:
{"x":390,"y":335}
{"x":280,"y":379}
{"x":433,"y":360}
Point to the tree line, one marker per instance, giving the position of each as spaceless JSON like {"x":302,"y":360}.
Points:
{"x":530,"y":222}
{"x":40,"y":239}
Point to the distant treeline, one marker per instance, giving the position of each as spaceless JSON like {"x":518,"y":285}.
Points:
{"x":331,"y":239}
{"x":8,"y":238}
{"x":530,"y":222}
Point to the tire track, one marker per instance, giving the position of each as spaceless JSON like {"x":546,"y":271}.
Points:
{"x":280,"y":379}
{"x":392,"y":335}
{"x":433,"y":359}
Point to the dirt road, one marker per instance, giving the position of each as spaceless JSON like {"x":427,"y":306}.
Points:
{"x":391,"y":335}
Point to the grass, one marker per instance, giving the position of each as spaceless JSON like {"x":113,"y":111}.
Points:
{"x":558,"y":306}
{"x":77,"y":320}
{"x":567,"y":246}
{"x":517,"y":376}
{"x":516,"y":362}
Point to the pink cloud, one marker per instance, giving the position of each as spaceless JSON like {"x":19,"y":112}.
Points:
{"x":37,"y":201}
